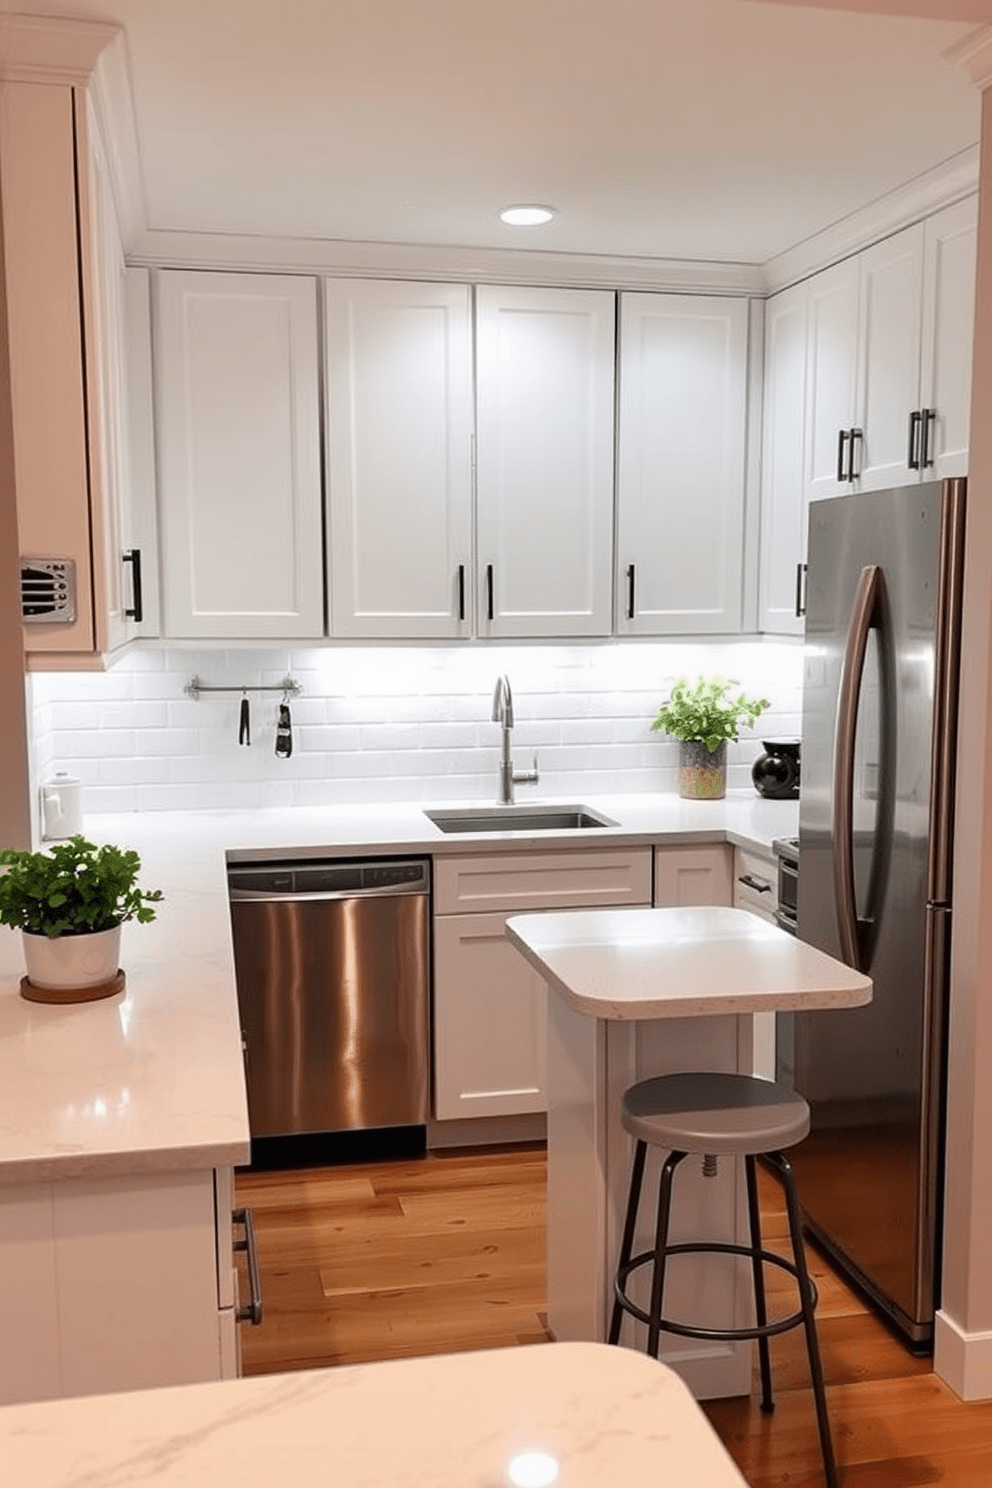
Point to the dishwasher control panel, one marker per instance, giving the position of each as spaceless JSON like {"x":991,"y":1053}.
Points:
{"x":382,"y":875}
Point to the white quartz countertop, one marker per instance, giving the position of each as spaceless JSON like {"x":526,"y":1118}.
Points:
{"x":603,"y":1415}
{"x":153,"y":1078}
{"x":680,"y":963}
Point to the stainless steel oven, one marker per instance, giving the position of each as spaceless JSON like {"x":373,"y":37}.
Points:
{"x":787,"y":852}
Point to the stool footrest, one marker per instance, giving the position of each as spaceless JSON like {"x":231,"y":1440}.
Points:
{"x":727,"y":1335}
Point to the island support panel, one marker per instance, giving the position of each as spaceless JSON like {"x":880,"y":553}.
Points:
{"x":591,"y":1061}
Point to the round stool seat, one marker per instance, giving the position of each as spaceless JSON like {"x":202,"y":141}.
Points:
{"x":714,"y":1114}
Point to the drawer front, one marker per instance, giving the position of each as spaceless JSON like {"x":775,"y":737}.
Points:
{"x":516,"y":882}
{"x":755,"y":883}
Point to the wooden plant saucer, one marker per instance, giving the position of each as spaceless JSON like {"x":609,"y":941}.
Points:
{"x":73,"y":994}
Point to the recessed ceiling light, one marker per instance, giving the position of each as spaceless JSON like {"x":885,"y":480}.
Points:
{"x":526,"y":216}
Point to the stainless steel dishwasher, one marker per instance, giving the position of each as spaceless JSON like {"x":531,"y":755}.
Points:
{"x":333,"y":974}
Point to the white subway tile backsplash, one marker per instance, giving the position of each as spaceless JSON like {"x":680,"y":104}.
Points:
{"x":384,"y":724}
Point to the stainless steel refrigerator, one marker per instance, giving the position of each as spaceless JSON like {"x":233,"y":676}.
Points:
{"x":883,"y":602}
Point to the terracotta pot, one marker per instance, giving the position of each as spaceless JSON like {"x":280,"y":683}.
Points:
{"x":702,"y":775}
{"x":72,"y":961}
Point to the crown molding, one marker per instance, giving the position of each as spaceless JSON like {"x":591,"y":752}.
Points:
{"x":341,"y":259}
{"x":956,"y":179}
{"x":112,"y":97}
{"x":974,"y":56}
{"x":48,"y":49}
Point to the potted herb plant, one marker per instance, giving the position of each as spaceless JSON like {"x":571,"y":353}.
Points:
{"x":703,"y":718}
{"x":69,"y":905}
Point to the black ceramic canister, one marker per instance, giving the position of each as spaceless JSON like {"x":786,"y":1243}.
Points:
{"x":776,"y":772}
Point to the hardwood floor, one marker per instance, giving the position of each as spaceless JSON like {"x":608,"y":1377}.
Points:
{"x":446,"y":1253}
{"x":377,"y":1261}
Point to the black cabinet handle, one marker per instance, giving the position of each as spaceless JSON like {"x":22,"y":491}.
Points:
{"x":913,"y":451}
{"x":926,"y":454}
{"x":630,"y":591}
{"x":137,"y":610}
{"x":251,"y":1311}
{"x":490,"y":610}
{"x":856,"y":436}
{"x":755,"y":883}
{"x":461,"y":591}
{"x":800,"y":585}
{"x":842,"y":437}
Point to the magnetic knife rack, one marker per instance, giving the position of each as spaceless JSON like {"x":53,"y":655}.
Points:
{"x":289,"y":687}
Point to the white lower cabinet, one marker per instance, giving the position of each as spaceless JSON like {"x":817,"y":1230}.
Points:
{"x":116,"y":1283}
{"x":490,"y":1006}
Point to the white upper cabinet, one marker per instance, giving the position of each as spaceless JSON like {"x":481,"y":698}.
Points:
{"x":783,"y":509}
{"x":399,"y":434}
{"x":950,"y":242}
{"x":891,"y":293}
{"x":884,"y":396}
{"x":239,"y":455}
{"x":889,"y":359}
{"x":544,"y":391}
{"x":680,"y":484}
{"x":831,"y":378}
{"x":118,"y":354}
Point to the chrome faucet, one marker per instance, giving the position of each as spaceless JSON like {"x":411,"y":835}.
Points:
{"x":503,"y":715}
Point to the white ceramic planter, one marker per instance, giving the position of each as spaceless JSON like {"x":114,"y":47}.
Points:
{"x":72,"y":961}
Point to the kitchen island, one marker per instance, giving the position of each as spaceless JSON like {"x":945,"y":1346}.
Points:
{"x":584,"y":1413}
{"x":122,"y":1121}
{"x":636,"y":993}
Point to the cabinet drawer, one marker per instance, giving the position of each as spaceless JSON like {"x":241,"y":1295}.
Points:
{"x":755,"y":883}
{"x":555,"y":880}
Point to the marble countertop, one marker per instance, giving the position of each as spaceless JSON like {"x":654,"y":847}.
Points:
{"x":680,"y":963}
{"x":152,"y":1079}
{"x":599,"y":1415}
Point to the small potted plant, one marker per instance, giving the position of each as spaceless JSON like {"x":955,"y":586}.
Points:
{"x":69,"y":905}
{"x":703,"y":718}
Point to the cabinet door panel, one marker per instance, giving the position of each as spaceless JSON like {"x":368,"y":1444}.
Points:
{"x":399,"y":457}
{"x":490,"y":1022}
{"x":136,"y":1281}
{"x":30,"y":1364}
{"x":889,"y":377}
{"x":693,"y":875}
{"x":948,"y":330}
{"x":239,"y":452}
{"x":683,"y":364}
{"x":545,"y":375}
{"x":783,"y":508}
{"x":831,"y":374}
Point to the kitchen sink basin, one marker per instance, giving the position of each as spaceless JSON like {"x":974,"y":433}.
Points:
{"x":518,"y":819}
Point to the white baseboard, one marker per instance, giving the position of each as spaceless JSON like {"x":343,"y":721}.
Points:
{"x":962,"y":1360}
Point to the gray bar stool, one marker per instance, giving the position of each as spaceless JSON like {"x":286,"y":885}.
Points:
{"x":715,"y":1115}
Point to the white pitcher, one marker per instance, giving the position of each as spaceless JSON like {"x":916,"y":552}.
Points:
{"x":61,"y":807}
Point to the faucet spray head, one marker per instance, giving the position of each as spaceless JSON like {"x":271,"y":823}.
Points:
{"x":503,"y":702}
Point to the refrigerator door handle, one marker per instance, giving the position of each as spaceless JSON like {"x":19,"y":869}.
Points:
{"x":866,"y":603}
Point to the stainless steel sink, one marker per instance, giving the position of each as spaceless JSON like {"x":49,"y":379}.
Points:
{"x":518,"y":819}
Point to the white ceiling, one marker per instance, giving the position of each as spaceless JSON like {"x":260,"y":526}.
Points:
{"x":703,"y":129}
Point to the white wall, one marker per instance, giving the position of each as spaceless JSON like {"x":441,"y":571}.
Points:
{"x":388,"y":723}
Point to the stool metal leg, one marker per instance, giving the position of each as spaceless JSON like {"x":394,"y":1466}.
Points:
{"x":661,"y":1249}
{"x":629,"y":1225}
{"x":784,"y":1167}
{"x":757,"y":1271}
